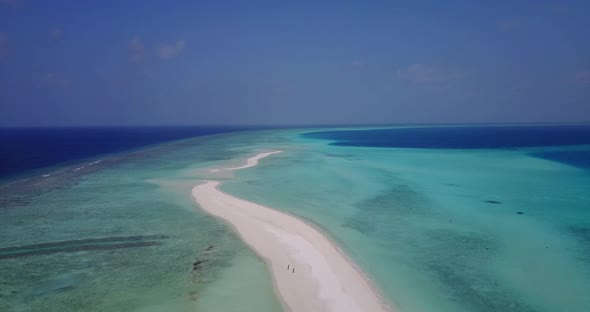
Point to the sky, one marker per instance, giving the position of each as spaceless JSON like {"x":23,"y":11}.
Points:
{"x":108,"y":63}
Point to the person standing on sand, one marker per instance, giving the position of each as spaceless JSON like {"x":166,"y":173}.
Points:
{"x":293,"y":270}
{"x":287,"y":266}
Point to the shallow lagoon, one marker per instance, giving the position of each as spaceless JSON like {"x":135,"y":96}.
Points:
{"x":121,"y":241}
{"x":444,"y":229}
{"x":438,"y":230}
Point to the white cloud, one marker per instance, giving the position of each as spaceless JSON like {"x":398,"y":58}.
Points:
{"x":56,"y":33}
{"x":358,"y":64}
{"x":12,"y":3}
{"x":583,"y":76}
{"x":54,"y":80}
{"x":561,"y":9}
{"x":139,"y":54}
{"x":513,"y":24}
{"x":137,"y":50}
{"x":168,"y":51}
{"x":3,"y":45}
{"x":422,"y":73}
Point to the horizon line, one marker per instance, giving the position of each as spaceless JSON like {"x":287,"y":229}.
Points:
{"x":275,"y":126}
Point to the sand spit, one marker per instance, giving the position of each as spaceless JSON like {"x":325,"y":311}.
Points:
{"x":310,"y":272}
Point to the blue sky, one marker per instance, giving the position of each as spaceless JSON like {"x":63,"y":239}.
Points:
{"x":293,"y":62}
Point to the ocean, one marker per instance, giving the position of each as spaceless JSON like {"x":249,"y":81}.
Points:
{"x":453,"y":218}
{"x":25,"y":149}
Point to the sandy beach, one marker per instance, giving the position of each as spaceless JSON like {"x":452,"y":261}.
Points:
{"x":251,"y":162}
{"x":310,"y":272}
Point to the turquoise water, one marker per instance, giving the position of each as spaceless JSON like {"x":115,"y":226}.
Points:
{"x":110,"y":207}
{"x":437,"y":230}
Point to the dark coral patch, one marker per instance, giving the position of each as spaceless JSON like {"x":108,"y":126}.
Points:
{"x":116,"y":242}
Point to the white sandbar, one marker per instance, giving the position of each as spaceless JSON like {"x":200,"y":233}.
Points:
{"x":251,"y":162}
{"x":324,"y":279}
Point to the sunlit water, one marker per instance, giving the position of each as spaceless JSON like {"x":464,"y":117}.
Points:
{"x":436,"y":229}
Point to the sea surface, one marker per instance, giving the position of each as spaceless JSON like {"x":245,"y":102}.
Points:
{"x":26,"y":149}
{"x":469,"y":218}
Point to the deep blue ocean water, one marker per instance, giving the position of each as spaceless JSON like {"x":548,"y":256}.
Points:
{"x":577,"y":158}
{"x":473,"y":137}
{"x":462,"y":137}
{"x":24,"y":149}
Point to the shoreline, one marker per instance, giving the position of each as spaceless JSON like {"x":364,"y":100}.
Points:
{"x":250,"y":162}
{"x":310,"y":272}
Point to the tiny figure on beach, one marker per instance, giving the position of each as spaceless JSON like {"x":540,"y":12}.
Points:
{"x":293,"y":270}
{"x":287,"y":266}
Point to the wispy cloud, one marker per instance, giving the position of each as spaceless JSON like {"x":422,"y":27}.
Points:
{"x":513,"y":23}
{"x":582,"y":76}
{"x":56,"y":34}
{"x":137,"y":50}
{"x":12,"y":3}
{"x":561,"y":9}
{"x":54,"y":80}
{"x":168,"y":51}
{"x":3,"y":45}
{"x":422,"y":73}
{"x":138,"y":53}
{"x":357,"y":64}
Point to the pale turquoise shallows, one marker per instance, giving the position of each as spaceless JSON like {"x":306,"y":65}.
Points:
{"x":437,"y":230}
{"x":442,"y":230}
{"x":196,"y":263}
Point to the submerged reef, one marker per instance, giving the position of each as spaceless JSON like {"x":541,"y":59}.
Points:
{"x":115,"y":242}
